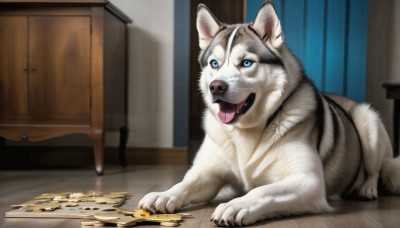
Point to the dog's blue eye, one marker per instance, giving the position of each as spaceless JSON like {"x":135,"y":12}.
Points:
{"x":214,"y":64}
{"x":246,"y":63}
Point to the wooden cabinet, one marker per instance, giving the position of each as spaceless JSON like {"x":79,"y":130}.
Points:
{"x":63,"y":71}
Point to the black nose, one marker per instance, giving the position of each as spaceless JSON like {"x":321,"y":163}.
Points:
{"x":218,"y":87}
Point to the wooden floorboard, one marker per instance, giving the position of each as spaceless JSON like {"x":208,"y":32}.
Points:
{"x":20,"y":186}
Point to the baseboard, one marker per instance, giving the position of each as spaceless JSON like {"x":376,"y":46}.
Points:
{"x":17,"y":157}
{"x":157,"y":156}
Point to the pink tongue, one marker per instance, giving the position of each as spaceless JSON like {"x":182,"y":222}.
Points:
{"x":226,"y":117}
{"x":227,"y":112}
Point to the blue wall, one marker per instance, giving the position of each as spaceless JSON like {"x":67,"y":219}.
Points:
{"x":330,"y":39}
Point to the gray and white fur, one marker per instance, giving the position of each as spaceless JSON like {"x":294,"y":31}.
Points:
{"x":271,"y":136}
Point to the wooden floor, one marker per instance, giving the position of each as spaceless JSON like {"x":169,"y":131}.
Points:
{"x":20,"y":186}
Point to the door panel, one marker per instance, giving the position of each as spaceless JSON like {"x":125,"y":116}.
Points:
{"x":59,"y":68}
{"x":13,"y":78}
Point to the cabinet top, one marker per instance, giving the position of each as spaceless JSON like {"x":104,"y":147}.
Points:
{"x":108,"y":5}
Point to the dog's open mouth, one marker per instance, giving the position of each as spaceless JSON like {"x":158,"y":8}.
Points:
{"x":228,"y":112}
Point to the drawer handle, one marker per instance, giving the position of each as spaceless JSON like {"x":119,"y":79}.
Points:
{"x":24,"y":136}
{"x":33,"y":68}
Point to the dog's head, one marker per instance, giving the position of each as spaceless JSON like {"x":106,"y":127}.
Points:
{"x":241,"y":65}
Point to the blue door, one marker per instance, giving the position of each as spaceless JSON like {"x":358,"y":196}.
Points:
{"x":330,"y":39}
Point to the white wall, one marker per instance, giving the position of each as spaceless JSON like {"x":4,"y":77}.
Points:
{"x":383,"y":55}
{"x":150,"y":72}
{"x":394,"y":72}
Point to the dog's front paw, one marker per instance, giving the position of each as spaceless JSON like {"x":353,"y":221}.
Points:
{"x":233,"y":213}
{"x":368,"y":192}
{"x":159,"y":202}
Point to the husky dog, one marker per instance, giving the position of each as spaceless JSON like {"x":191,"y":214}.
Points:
{"x":284,"y":147}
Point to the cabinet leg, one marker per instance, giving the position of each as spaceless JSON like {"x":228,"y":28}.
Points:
{"x":396,"y":126}
{"x":2,"y":144}
{"x":123,"y":137}
{"x":98,"y":149}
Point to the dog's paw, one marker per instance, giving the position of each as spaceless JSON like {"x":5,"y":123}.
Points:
{"x":233,"y":213}
{"x":159,"y":202}
{"x":368,"y":192}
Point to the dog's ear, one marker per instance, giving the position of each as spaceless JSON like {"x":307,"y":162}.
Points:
{"x":268,"y":26}
{"x":207,"y":26}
